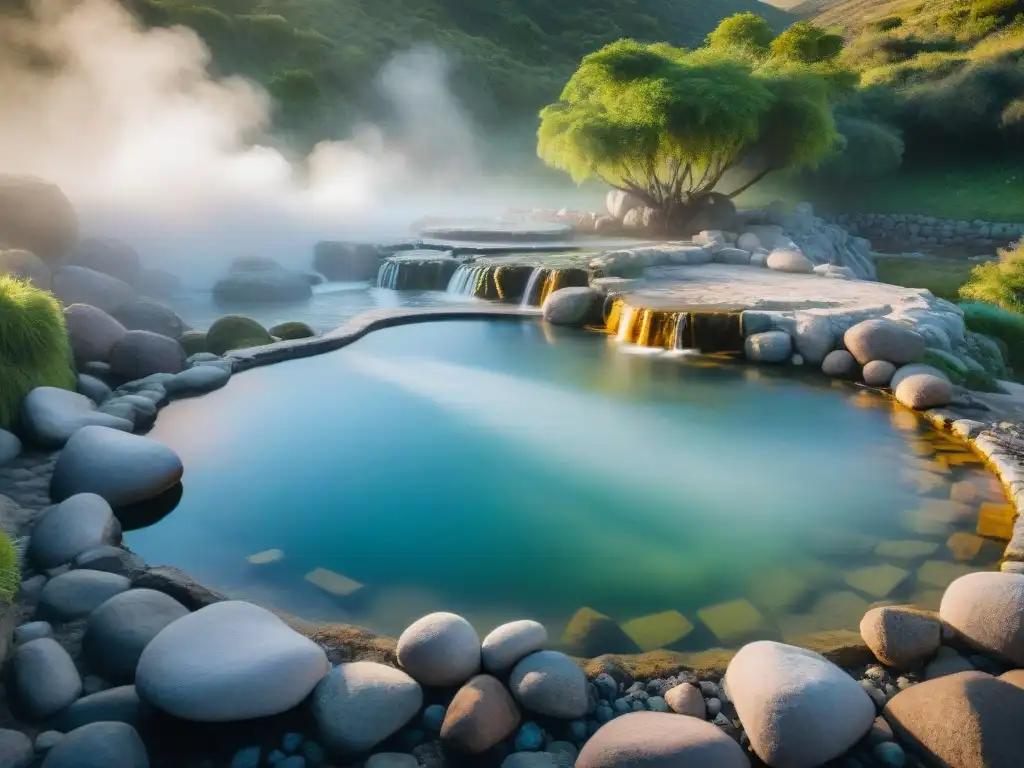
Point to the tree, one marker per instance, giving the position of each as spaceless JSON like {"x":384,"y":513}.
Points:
{"x":666,"y":124}
{"x":745,"y":31}
{"x":807,"y":44}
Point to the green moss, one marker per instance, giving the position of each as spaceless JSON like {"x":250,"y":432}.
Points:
{"x":981,"y":382}
{"x":947,"y":363}
{"x":10,"y":572}
{"x":193,"y":342}
{"x":235,"y":332}
{"x":34,"y":346}
{"x":1006,"y":327}
{"x":292,"y":330}
{"x":940,"y":276}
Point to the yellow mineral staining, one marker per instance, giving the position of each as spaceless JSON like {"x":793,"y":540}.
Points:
{"x":964,"y":546}
{"x":878,"y":581}
{"x":959,"y":459}
{"x":921,"y":447}
{"x":335,"y":583}
{"x":658,"y":630}
{"x":778,"y":590}
{"x":734,"y":621}
{"x":911,"y":549}
{"x":995,"y":521}
{"x":265,"y":557}
{"x":940,"y":573}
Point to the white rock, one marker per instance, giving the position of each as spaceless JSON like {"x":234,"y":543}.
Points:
{"x":882,"y":339}
{"x":913,"y":369}
{"x":922,"y":391}
{"x":550,"y":683}
{"x":660,"y":740}
{"x":620,"y":203}
{"x":77,"y":524}
{"x":790,"y":260}
{"x":768,"y":347}
{"x":50,"y":416}
{"x":229,"y":661}
{"x":122,"y":468}
{"x":813,"y":338}
{"x":878,"y":373}
{"x":840,"y":364}
{"x":440,"y":649}
{"x":799,"y":709}
{"x":987,"y":609}
{"x":573,"y":306}
{"x":509,"y":643}
{"x":748,"y":241}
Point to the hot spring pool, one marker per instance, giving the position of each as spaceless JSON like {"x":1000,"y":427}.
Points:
{"x":501,"y":469}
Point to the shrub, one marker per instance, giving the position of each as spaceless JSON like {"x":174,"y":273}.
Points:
{"x":868,"y":149}
{"x":10,"y":571}
{"x":1000,"y":324}
{"x":888,"y":23}
{"x":807,"y":44}
{"x":34,"y":346}
{"x":235,"y":332}
{"x":1004,"y":10}
{"x":746,"y":31}
{"x":999,"y":282}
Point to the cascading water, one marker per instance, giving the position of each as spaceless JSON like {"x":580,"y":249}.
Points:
{"x":465,"y":279}
{"x":679,"y":340}
{"x":387,"y":275}
{"x":625,"y":324}
{"x":531,"y":286}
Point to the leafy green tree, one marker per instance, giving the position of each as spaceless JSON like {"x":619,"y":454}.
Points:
{"x":745,"y":31}
{"x":666,"y":124}
{"x":807,"y":44}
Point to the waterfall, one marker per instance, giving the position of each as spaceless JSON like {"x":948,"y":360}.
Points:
{"x":464,"y":281}
{"x":679,"y":337}
{"x":531,"y":286}
{"x":625,"y":331}
{"x":387,"y":275}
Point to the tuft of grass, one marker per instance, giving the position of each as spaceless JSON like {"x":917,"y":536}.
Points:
{"x":1005,"y":327}
{"x":10,"y":571}
{"x":943,"y":278}
{"x":34,"y":346}
{"x":999,"y":282}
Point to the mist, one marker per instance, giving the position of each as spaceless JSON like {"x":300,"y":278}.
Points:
{"x":153,"y":149}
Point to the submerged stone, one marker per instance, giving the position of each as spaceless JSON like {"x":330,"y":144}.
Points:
{"x":658,"y":630}
{"x":734,"y":621}
{"x":590,"y":633}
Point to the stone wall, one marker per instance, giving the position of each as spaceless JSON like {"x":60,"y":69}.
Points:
{"x":928,"y":230}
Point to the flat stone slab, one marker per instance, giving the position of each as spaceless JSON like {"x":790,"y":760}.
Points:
{"x":484,"y":230}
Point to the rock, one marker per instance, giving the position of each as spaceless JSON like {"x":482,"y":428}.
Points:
{"x":987,"y":610}
{"x":574,"y":307}
{"x":25,"y":265}
{"x":481,"y":715}
{"x":654,"y":739}
{"x":984,"y":709}
{"x":947,"y":662}
{"x":685,"y":699}
{"x":229,"y":661}
{"x":141,"y":353}
{"x":109,"y":256}
{"x":193,"y":342}
{"x":158,"y":283}
{"x":798,"y":708}
{"x":114,"y":705}
{"x":122,"y":468}
{"x":732,"y":256}
{"x":789,"y":261}
{"x":749,"y":241}
{"x":75,"y":594}
{"x":890,"y":754}
{"x":346,"y":261}
{"x":878,"y":373}
{"x":590,"y":633}
{"x":358,"y":705}
{"x":110,"y":559}
{"x":150,"y":316}
{"x":36,"y":216}
{"x":531,"y":760}
{"x":246,"y":757}
{"x":92,"y":388}
{"x":433,"y":718}
{"x":440,"y":649}
{"x":78,"y":285}
{"x":120,"y":629}
{"x":10,"y":447}
{"x":292,"y":330}
{"x":922,"y":391}
{"x":813,"y":338}
{"x":15,"y":749}
{"x":392,"y":760}
{"x":77,"y":524}
{"x":620,"y":203}
{"x":901,"y":637}
{"x":768,"y":347}
{"x":881,"y":339}
{"x":906,"y":371}
{"x":266,"y":285}
{"x":235,"y":332}
{"x":839,"y":364}
{"x":33,"y":630}
{"x":178,"y":585}
{"x":530,"y":738}
{"x":47,"y":740}
{"x":99,"y":745}
{"x":50,"y":416}
{"x":197,"y":380}
{"x":550,"y":683}
{"x":510,"y":642}
{"x":44,"y":678}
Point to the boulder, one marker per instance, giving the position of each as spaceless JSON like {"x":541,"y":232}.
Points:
{"x":922,"y":391}
{"x":142,"y":353}
{"x":799,"y":709}
{"x":620,"y":203}
{"x":99,"y":745}
{"x":574,"y":307}
{"x":358,"y":705}
{"x":25,"y":265}
{"x":158,"y":283}
{"x":813,"y":337}
{"x":967,"y":720}
{"x":730,"y":255}
{"x":110,"y":559}
{"x":179,"y":585}
{"x":660,"y":740}
{"x":901,"y":637}
{"x":878,"y":373}
{"x":749,"y":241}
{"x":151,"y":316}
{"x":481,"y":715}
{"x":93,"y":333}
{"x":235,"y":332}
{"x":987,"y":610}
{"x":229,"y":661}
{"x":122,"y":468}
{"x":768,"y":347}
{"x":16,"y":749}
{"x":882,"y":339}
{"x":114,"y":705}
{"x":74,"y":526}
{"x":590,"y":633}
{"x":269,"y":285}
{"x":75,"y":594}
{"x":686,"y":699}
{"x":292,"y":330}
{"x":10,"y":447}
{"x":440,"y":649}
{"x":789,"y":260}
{"x":92,"y":388}
{"x":120,"y":629}
{"x":44,"y":678}
{"x":109,"y":256}
{"x":839,"y":364}
{"x":197,"y":380}
{"x":769,"y":236}
{"x":710,"y":211}
{"x":193,"y":342}
{"x":36,"y":216}
{"x":51,"y":416}
{"x":511,"y":642}
{"x":346,"y":261}
{"x":550,"y":683}
{"x":906,"y":371}
{"x":79,"y":285}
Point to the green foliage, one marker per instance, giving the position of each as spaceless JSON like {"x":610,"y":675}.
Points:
{"x":745,"y":31}
{"x":294,"y":86}
{"x":942,"y":277}
{"x":947,"y":363}
{"x":1003,"y":10}
{"x":34,"y":346}
{"x":235,"y":332}
{"x":999,"y":282}
{"x":888,"y":23}
{"x":292,"y":330}
{"x":999,"y":324}
{"x":666,"y":123}
{"x":10,"y":572}
{"x":869,"y":149}
{"x":807,"y":43}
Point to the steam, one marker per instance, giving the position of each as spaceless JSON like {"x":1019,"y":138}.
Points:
{"x":151,"y":148}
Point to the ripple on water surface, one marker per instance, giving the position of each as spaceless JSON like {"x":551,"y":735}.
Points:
{"x":504,"y":470}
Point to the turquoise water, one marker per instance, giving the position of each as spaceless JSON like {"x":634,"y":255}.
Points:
{"x":502,"y":470}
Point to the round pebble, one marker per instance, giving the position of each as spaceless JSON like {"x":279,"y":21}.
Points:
{"x":47,"y":740}
{"x":891,"y":754}
{"x":530,"y":738}
{"x":433,"y":717}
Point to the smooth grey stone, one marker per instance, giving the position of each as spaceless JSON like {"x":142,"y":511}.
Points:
{"x":96,"y":368}
{"x":10,"y":447}
{"x":50,"y":416}
{"x":114,"y":705}
{"x":247,"y":757}
{"x":33,"y":630}
{"x":92,"y":388}
{"x":45,"y":678}
{"x":110,"y":559}
{"x":77,"y":593}
{"x":30,"y":589}
{"x":74,"y":526}
{"x":141,"y":353}
{"x":47,"y":740}
{"x":197,"y":380}
{"x":99,"y":745}
{"x":81,"y":285}
{"x":15,"y":749}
